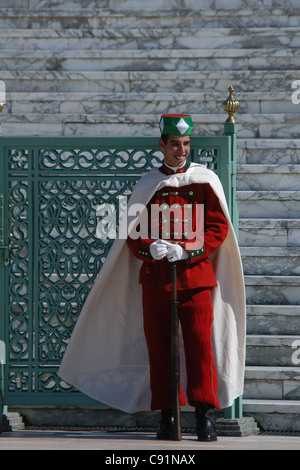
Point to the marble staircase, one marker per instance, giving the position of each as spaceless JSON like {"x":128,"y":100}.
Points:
{"x":269,"y":237}
{"x":70,"y":70}
{"x":99,"y":67}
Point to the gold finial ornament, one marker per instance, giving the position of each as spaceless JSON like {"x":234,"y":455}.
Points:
{"x":231,"y":106}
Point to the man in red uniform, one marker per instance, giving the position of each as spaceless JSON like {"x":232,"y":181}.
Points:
{"x":180,"y":237}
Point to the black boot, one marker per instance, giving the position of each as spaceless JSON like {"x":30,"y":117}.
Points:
{"x":205,"y":422}
{"x":167,"y":429}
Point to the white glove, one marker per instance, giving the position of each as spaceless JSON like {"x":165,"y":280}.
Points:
{"x":176,"y":253}
{"x":158,"y":249}
{"x":161,"y":248}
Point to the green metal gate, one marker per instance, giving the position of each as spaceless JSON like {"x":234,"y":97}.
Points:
{"x":49,"y":255}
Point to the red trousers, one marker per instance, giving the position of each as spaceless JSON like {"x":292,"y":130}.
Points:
{"x":196,"y":317}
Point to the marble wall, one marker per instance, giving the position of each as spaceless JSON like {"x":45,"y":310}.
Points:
{"x":110,"y":67}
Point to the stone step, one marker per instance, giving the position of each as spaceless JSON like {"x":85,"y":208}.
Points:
{"x":152,"y":60}
{"x":243,"y":3}
{"x":188,"y":81}
{"x":143,"y":103}
{"x":250,"y":125}
{"x":179,"y":16}
{"x":274,"y":415}
{"x":259,"y":177}
{"x":273,"y":319}
{"x":270,"y":260}
{"x":270,"y":350}
{"x":269,"y":232}
{"x":269,"y":204}
{"x":102,"y":125}
{"x":268,"y":151}
{"x":136,"y":5}
{"x":272,"y":289}
{"x":149,"y":38}
{"x":272,"y":383}
{"x":95,"y":67}
{"x":12,"y":421}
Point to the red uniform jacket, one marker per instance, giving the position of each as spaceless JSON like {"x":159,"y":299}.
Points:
{"x":197,"y":270}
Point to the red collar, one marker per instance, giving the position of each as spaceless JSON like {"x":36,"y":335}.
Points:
{"x":167,"y":171}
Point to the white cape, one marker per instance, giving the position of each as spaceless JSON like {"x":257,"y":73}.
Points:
{"x":107,"y":358}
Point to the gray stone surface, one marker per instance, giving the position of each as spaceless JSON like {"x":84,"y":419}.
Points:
{"x":111,"y":68}
{"x":145,"y":442}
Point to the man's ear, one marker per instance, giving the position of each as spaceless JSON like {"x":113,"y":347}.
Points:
{"x":161,"y":145}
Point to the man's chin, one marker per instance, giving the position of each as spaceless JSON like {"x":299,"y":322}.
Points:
{"x":179,"y":161}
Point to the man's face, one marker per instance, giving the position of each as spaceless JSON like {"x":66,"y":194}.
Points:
{"x":176,"y":150}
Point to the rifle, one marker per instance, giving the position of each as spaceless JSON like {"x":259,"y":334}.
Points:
{"x":175,"y":357}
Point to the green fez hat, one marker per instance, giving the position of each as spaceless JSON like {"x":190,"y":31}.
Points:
{"x":176,"y":124}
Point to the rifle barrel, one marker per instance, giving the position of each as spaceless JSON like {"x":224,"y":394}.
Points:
{"x":175,"y":357}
